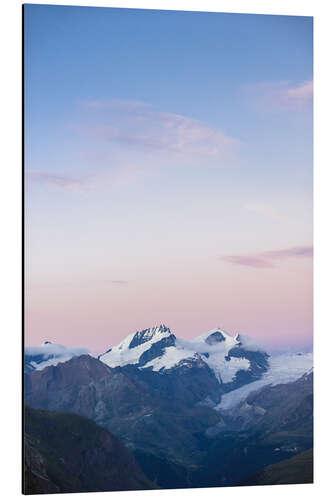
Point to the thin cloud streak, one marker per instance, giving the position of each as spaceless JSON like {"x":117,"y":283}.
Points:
{"x":56,"y":181}
{"x":78,"y":284}
{"x":247,"y":260}
{"x":301,"y":251}
{"x":266,"y":210}
{"x":266,"y":259}
{"x":121,"y":175}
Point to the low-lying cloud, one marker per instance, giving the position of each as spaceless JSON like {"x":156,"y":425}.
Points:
{"x":51,"y":354}
{"x":50,"y":349}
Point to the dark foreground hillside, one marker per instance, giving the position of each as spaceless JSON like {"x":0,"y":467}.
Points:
{"x":66,"y":453}
{"x":295,"y":470}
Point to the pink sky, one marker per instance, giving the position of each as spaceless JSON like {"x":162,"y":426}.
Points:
{"x":273,"y":304}
{"x":168,"y":175}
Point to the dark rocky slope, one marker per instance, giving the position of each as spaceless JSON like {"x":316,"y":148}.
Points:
{"x":295,"y":470}
{"x":66,"y":453}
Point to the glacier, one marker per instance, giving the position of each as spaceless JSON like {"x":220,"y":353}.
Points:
{"x":283,"y":369}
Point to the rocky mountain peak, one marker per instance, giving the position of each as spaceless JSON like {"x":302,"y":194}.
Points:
{"x":140,"y":337}
{"x":215,"y":337}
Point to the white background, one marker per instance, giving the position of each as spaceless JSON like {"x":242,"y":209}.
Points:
{"x":10,"y":246}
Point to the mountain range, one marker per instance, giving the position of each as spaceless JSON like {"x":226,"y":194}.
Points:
{"x":205,"y":412}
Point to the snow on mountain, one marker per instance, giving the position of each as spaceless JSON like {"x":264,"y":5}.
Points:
{"x":213,"y":347}
{"x":240,"y":366}
{"x":171,"y":357}
{"x":159,"y":350}
{"x":282,"y":369}
{"x":46,"y":354}
{"x":130,"y":350}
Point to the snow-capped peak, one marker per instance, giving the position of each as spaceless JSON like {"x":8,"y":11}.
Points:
{"x":130,"y":350}
{"x":158,"y":349}
{"x":218,"y":336}
{"x":156,"y":332}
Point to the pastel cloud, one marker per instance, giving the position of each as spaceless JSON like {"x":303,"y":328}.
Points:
{"x":78,"y":284}
{"x":266,"y":259}
{"x":120,"y":175}
{"x":55,"y":180}
{"x":247,"y":260}
{"x":302,"y":92}
{"x":282,"y":95}
{"x":301,"y":251}
{"x":265,"y":209}
{"x":135,"y":128}
{"x":140,"y":125}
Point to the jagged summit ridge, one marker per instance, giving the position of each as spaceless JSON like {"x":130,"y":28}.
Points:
{"x":233,"y":360}
{"x":158,"y":349}
{"x":140,"y":347}
{"x":140,"y":337}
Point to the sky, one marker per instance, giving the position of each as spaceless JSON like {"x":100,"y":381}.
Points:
{"x":168,"y":175}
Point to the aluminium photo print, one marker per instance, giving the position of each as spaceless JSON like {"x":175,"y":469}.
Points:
{"x":168,"y":249}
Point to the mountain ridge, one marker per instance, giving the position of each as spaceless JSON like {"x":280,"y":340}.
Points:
{"x":230,"y":358}
{"x":233,"y":360}
{"x":179,"y":437}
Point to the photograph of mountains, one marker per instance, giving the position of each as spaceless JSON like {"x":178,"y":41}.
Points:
{"x":168,"y":258}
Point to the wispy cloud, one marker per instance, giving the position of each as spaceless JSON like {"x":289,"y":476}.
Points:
{"x":247,"y":260}
{"x":266,"y":210}
{"x":143,"y":127}
{"x":55,"y":180}
{"x":282,"y":95}
{"x":301,"y":251}
{"x":266,"y":259}
{"x":300,"y":93}
{"x":141,"y":140}
{"x":120,"y":175}
{"x":78,"y":284}
{"x":57,"y":350}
